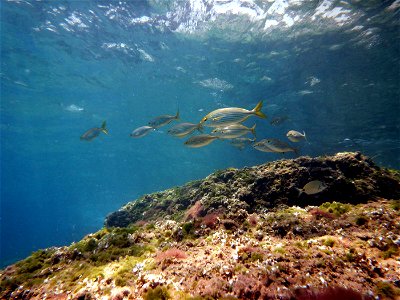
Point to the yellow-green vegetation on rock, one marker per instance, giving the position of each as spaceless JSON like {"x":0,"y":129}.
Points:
{"x":157,"y":293}
{"x":392,"y":251}
{"x":336,"y":208}
{"x":395,"y":204}
{"x":387,"y":290}
{"x":329,"y":242}
{"x":279,"y":250}
{"x":124,"y":272}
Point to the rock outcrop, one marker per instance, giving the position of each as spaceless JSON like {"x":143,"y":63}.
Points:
{"x":351,"y":178}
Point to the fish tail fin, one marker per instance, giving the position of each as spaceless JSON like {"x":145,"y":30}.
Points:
{"x":305,"y":137}
{"x":300,"y":192}
{"x":200,"y":127}
{"x":177,"y":115}
{"x":103,"y":127}
{"x":253,"y":130}
{"x":296,"y":151}
{"x":257,"y":110}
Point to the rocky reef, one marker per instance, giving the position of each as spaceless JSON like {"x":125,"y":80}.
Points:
{"x":351,"y":178}
{"x":237,"y":234}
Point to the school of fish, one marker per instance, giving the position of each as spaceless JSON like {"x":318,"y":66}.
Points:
{"x":226,"y":124}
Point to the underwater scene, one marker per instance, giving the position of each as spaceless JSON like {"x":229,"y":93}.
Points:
{"x":200,"y":149}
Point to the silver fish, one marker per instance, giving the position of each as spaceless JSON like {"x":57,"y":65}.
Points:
{"x":262,"y":146}
{"x":274,"y":145}
{"x":94,"y":132}
{"x":231,"y":115}
{"x":241,"y":142}
{"x":200,"y":140}
{"x":163,"y":120}
{"x":313,"y":187}
{"x":141,"y":131}
{"x":296,"y":136}
{"x":233,"y":131}
{"x":182,"y":129}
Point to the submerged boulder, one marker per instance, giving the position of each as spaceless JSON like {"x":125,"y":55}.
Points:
{"x":350,"y":177}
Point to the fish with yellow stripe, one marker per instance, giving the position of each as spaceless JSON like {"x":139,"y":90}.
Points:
{"x":94,"y":132}
{"x":231,"y":115}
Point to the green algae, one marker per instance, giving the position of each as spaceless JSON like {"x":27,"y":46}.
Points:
{"x":157,"y":293}
{"x":385,"y":289}
{"x":36,"y":261}
{"x":251,"y":255}
{"x":351,"y":255}
{"x":86,"y":245}
{"x":279,"y":250}
{"x":329,"y":242}
{"x":302,"y":245}
{"x":392,"y":251}
{"x":336,"y":208}
{"x":188,"y":230}
{"x":395,"y":204}
{"x":29,"y":271}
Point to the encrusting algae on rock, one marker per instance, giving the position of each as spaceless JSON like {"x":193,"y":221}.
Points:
{"x":237,"y":234}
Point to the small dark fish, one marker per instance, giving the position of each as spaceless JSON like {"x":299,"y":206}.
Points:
{"x":163,"y":120}
{"x":94,"y":132}
{"x":278,"y":120}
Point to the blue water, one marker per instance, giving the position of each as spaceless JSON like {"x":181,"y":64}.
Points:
{"x":332,"y":67}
